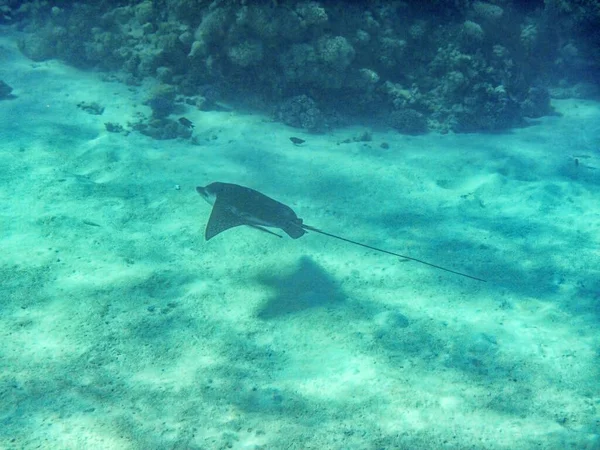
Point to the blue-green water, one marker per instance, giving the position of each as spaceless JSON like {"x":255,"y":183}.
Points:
{"x":122,"y":328}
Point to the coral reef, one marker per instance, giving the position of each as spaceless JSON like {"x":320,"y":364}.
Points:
{"x":162,"y":100}
{"x":408,"y":121}
{"x":92,"y":108}
{"x":245,"y":54}
{"x":537,"y":104}
{"x":301,"y":112}
{"x":461,"y":65}
{"x":162,"y":129}
{"x":488,"y":108}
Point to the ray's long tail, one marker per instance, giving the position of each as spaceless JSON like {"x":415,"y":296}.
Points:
{"x":316,"y":230}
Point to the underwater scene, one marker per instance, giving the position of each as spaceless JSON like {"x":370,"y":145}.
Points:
{"x":269,"y":225}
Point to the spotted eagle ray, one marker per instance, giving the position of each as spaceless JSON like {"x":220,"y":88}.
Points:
{"x":235,"y":205}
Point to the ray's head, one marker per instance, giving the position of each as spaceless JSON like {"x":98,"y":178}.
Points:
{"x":208,"y":193}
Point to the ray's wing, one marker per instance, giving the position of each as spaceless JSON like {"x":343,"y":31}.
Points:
{"x":221,"y":219}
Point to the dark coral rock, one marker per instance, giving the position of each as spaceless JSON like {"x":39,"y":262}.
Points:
{"x":488,"y":109}
{"x":163,"y":129}
{"x":113,"y":127}
{"x":162,"y":101}
{"x":36,"y":47}
{"x":423,"y":60}
{"x":91,"y":108}
{"x":301,"y":112}
{"x":164,"y":74}
{"x":537,"y":104}
{"x":408,"y":121}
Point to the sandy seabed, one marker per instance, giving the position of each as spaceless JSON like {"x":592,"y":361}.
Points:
{"x":122,"y":329}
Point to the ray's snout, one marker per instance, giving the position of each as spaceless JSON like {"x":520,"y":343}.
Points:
{"x":206,"y":195}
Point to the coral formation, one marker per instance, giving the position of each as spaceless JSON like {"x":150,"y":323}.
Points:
{"x":408,"y":121}
{"x":245,"y":54}
{"x":162,"y":100}
{"x":459,"y":65}
{"x":336,"y":52}
{"x":301,"y":112}
{"x":487,"y":11}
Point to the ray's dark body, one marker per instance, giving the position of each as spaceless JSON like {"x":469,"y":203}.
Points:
{"x":235,"y":205}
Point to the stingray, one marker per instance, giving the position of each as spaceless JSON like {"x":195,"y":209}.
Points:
{"x":235,"y":205}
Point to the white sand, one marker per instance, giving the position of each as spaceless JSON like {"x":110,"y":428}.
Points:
{"x":121,"y":328}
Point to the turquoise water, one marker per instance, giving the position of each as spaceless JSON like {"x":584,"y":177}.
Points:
{"x":122,"y":328}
